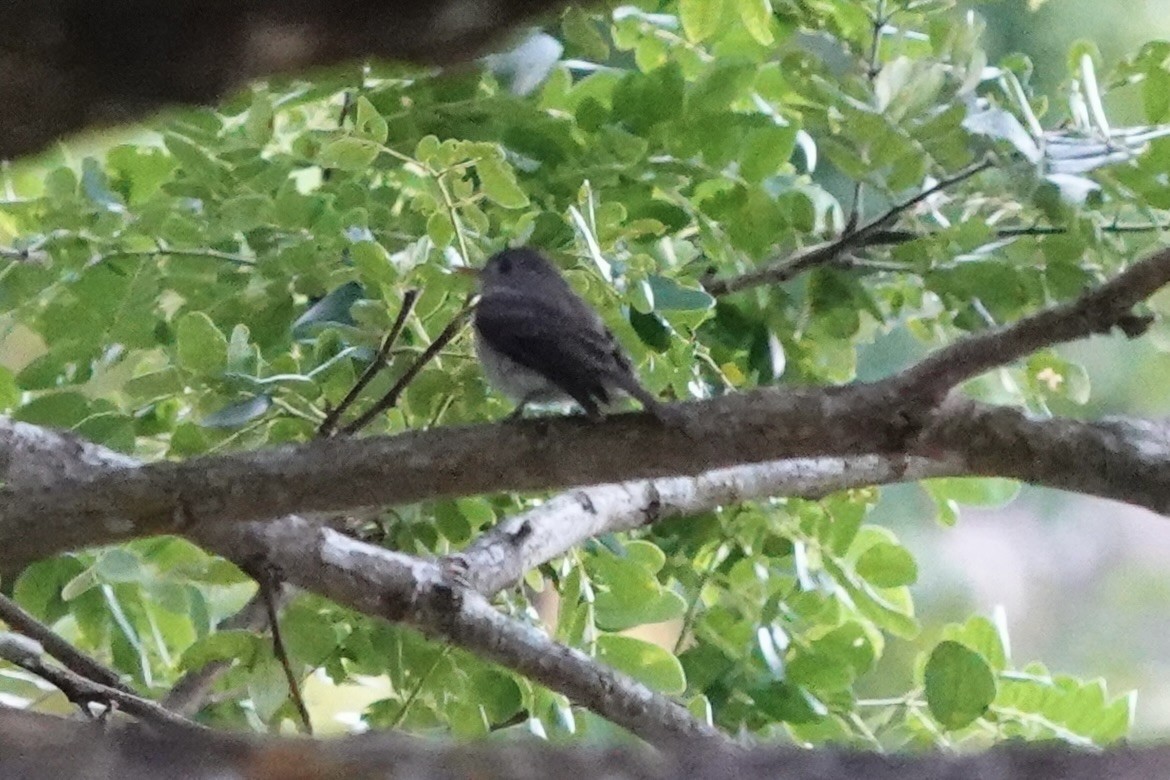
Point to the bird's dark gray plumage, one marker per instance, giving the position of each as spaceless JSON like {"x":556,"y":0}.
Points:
{"x":540,"y":342}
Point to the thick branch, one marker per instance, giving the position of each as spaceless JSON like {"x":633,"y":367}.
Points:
{"x":1125,"y":459}
{"x":1097,"y":311}
{"x":41,"y":747}
{"x":396,"y":587}
{"x":404,"y":589}
{"x":71,"y":65}
{"x":501,"y":556}
{"x":342,"y":474}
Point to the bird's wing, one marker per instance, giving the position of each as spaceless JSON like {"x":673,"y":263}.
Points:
{"x":552,"y":341}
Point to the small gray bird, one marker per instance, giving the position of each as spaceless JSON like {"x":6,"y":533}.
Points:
{"x":540,"y":342}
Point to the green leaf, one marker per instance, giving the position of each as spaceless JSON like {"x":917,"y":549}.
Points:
{"x":236,"y":414}
{"x":700,"y":18}
{"x":581,"y":33}
{"x":756,"y":16}
{"x":9,"y":392}
{"x":973,"y":491}
{"x":959,"y":685}
{"x":651,"y":329}
{"x":231,"y":646}
{"x":202,"y":348}
{"x":784,"y":702}
{"x":888,"y":565}
{"x":333,"y":308}
{"x":258,"y":125}
{"x":499,"y":183}
{"x":349,"y":154}
{"x":669,"y":295}
{"x":645,"y":662}
{"x":58,"y":410}
{"x":369,"y":123}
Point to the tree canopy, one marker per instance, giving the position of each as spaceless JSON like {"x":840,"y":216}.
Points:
{"x":794,"y":196}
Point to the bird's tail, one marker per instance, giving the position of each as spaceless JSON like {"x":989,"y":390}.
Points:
{"x":666,"y":413}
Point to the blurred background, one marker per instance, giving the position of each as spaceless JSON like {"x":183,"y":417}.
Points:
{"x":1083,"y":584}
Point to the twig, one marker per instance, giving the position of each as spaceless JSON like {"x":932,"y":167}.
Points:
{"x":418,"y":686}
{"x":329,"y":425}
{"x":81,"y":690}
{"x":269,"y":582}
{"x":187,"y":695}
{"x":21,"y":621}
{"x":1097,"y":311}
{"x":390,"y":399}
{"x":346,"y":105}
{"x":213,"y":254}
{"x":792,"y":266}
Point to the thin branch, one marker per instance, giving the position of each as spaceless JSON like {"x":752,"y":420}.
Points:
{"x":1099,"y":310}
{"x":390,"y":399}
{"x":82,"y":691}
{"x":21,"y":621}
{"x":788,"y":268}
{"x":188,"y":694}
{"x":266,"y":577}
{"x":212,"y":254}
{"x":329,"y":425}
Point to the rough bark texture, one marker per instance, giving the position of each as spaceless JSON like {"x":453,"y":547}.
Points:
{"x":38,"y":747}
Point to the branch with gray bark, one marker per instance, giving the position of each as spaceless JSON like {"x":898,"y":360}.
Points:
{"x":42,"y":747}
{"x":884,"y":417}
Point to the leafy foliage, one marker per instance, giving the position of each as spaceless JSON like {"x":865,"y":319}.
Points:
{"x":221,"y":281}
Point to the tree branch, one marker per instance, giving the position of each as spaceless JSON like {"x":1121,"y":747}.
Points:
{"x":72,"y":658}
{"x":1098,"y":310}
{"x":408,"y":590}
{"x":329,"y":424}
{"x":398,"y":588}
{"x":27,"y":654}
{"x":788,"y":268}
{"x":34,"y":746}
{"x":500,"y":556}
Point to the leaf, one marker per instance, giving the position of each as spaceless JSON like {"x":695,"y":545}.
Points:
{"x":499,"y":183}
{"x":888,"y":565}
{"x":990,"y":492}
{"x":669,"y":295}
{"x":645,"y":662}
{"x":782,"y":701}
{"x":334,"y":307}
{"x":348,"y":154}
{"x":201,"y":347}
{"x":9,"y":392}
{"x":58,"y":410}
{"x":651,"y":329}
{"x":959,"y":685}
{"x":369,"y":123}
{"x":236,"y":414}
{"x":700,"y":18}
{"x":581,"y":33}
{"x":231,"y":646}
{"x":999,"y":124}
{"x":756,"y":16}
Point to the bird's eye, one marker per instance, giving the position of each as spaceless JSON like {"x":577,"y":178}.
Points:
{"x":505,"y":265}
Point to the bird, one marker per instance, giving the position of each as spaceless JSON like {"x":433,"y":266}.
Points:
{"x":539,"y":342}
